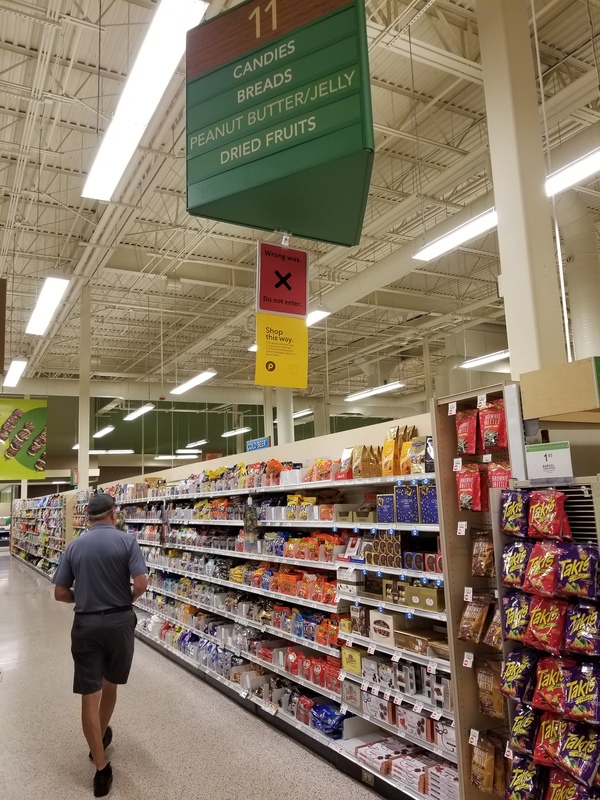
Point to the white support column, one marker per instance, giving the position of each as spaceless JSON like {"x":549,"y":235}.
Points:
{"x":427,"y":372}
{"x":24,"y":489}
{"x":529,"y":279}
{"x":321,"y":418}
{"x":83,"y":454}
{"x":326,"y":403}
{"x":285,"y":419}
{"x":268,"y":412}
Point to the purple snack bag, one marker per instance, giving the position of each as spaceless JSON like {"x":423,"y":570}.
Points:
{"x":582,"y":632}
{"x":517,"y":673}
{"x":524,"y":731}
{"x":577,"y":568}
{"x":515,"y":558}
{"x":515,"y":512}
{"x":582,"y":693}
{"x":516,"y":616}
{"x":578,"y":752}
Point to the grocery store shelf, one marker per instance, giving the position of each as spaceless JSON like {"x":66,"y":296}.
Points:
{"x":35,"y":555}
{"x":356,"y":526}
{"x":219,"y":522}
{"x":32,"y":566}
{"x":403,"y":574}
{"x":144,"y":521}
{"x":302,"y":562}
{"x":148,"y":542}
{"x":416,"y":701}
{"x":382,"y":604}
{"x":407,"y":655}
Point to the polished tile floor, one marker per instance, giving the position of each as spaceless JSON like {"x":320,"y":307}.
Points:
{"x":175,"y":737}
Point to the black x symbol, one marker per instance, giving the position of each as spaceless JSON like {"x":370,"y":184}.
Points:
{"x":283,"y":281}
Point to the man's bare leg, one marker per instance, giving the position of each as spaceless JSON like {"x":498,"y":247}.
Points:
{"x":90,"y":721}
{"x":108,"y":701}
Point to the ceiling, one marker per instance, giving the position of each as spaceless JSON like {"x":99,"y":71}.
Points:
{"x":173,"y":294}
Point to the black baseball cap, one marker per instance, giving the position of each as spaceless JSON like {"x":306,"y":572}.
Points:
{"x":100,"y":504}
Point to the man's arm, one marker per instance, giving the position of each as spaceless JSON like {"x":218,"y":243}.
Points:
{"x":140,"y":584}
{"x":64,"y":595}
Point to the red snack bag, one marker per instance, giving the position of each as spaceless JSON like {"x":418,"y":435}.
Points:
{"x":548,"y":739}
{"x":549,"y":692}
{"x":466,"y":432}
{"x":542,"y":569}
{"x":468,"y":483}
{"x":562,"y":787}
{"x":499,"y":475}
{"x":547,"y":619}
{"x":492,"y":426}
{"x":547,"y":516}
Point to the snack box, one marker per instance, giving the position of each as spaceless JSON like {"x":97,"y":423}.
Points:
{"x":416,"y":640}
{"x":407,"y":504}
{"x":426,"y":597}
{"x":349,"y":588}
{"x":406,"y":679}
{"x":347,"y":575}
{"x":378,"y":709}
{"x":364,"y":516}
{"x":381,"y":755}
{"x":386,"y":675}
{"x":385,"y":508}
{"x":445,"y":737}
{"x":373,"y":588}
{"x":394,"y":591}
{"x":370,"y":667}
{"x":415,"y":725}
{"x":383,"y":626}
{"x":352,"y":660}
{"x":428,"y":505}
{"x":359,"y":616}
{"x":350,"y":693}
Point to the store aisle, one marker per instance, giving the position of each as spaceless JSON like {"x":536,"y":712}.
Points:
{"x":174,"y":736}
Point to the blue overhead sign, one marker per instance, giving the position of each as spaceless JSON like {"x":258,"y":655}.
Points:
{"x":258,"y":444}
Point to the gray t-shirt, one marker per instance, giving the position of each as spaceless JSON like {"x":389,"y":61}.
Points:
{"x":99,"y":565}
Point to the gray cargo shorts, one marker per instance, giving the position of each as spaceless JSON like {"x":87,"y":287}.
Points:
{"x":102,"y":647}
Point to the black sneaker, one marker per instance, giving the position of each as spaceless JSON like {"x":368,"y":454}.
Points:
{"x":106,"y":740}
{"x":103,"y":781}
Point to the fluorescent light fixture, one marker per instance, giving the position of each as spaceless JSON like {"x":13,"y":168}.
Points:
{"x":160,"y":54}
{"x":174,"y":458}
{"x":188,"y":452}
{"x":573,"y":173}
{"x":305,"y":412}
{"x":197,"y":444}
{"x":121,"y":452}
{"x":13,"y":376}
{"x":236,"y":432}
{"x":253,"y":348}
{"x":450,"y":241}
{"x":47,"y":303}
{"x":103,"y":432}
{"x":316,"y":316}
{"x":75,"y":447}
{"x":138,"y":412}
{"x":386,"y":387}
{"x":59,"y":483}
{"x":201,"y":378}
{"x":473,"y":363}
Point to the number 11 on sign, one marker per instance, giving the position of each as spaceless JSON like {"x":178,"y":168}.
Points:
{"x":255,"y":15}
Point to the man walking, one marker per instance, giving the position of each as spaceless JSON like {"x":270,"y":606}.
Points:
{"x":95,"y":574}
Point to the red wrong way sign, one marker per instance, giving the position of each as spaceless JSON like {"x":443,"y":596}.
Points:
{"x":282,"y":286}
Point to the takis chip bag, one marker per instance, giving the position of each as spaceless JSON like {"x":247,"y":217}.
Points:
{"x":517,"y":673}
{"x":577,"y":568}
{"x":549,"y":692}
{"x":582,"y":631}
{"x":561,"y":786}
{"x":524,"y":731}
{"x":542,"y":569}
{"x":547,"y":517}
{"x":524,"y":780}
{"x":578,"y":752}
{"x":547,"y":619}
{"x":514,"y":563}
{"x":582,"y":693}
{"x":515,"y":511}
{"x":516,"y":616}
{"x":552,"y":729}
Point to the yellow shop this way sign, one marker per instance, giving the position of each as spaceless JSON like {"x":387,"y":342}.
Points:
{"x":282,"y":356}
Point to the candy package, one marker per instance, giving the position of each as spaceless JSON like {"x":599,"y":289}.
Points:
{"x":491,"y":702}
{"x":577,"y":569}
{"x":499,"y":475}
{"x":466,"y":432}
{"x":561,"y":786}
{"x":549,"y":694}
{"x":542,"y":569}
{"x":515,"y":557}
{"x":482,"y":765}
{"x":524,"y":780}
{"x":494,"y":637}
{"x":482,"y":562}
{"x":468,"y":484}
{"x":516,"y":616}
{"x":582,"y":630}
{"x":518,"y":672}
{"x":524,"y":731}
{"x":547,"y":516}
{"x":547,"y":619}
{"x":578,"y":752}
{"x":582,"y":693}
{"x":492,"y":426}
{"x":473,"y":619}
{"x":515,"y":512}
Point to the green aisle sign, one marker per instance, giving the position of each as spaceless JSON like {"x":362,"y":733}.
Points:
{"x":279,"y":122}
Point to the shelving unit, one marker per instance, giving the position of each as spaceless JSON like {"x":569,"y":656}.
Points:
{"x":38,"y":532}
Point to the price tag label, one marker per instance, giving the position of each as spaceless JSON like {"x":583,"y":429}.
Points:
{"x":365,"y":572}
{"x":431,"y":668}
{"x":272,"y":709}
{"x":396,"y":658}
{"x":414,"y":533}
{"x":334,"y":529}
{"x":375,"y":690}
{"x":351,"y":568}
{"x":436,"y":715}
{"x":508,"y":752}
{"x":397,"y":700}
{"x":357,"y":603}
{"x":474,"y":737}
{"x":371,"y":649}
{"x":453,"y":724}
{"x":439,"y":583}
{"x":451,"y":409}
{"x":386,"y":695}
{"x":391,"y":531}
{"x":402,"y":577}
{"x":457,"y":465}
{"x":468,"y":595}
{"x":487,"y":459}
{"x":461,"y":529}
{"x":417,"y":708}
{"x":379,"y":573}
{"x":481,"y":400}
{"x":343,"y":709}
{"x":356,"y":530}
{"x":373,"y":530}
{"x":409,"y":615}
{"x":244,"y":694}
{"x":381,"y":609}
{"x":468,"y":660}
{"x":342,"y":675}
{"x":364,"y":686}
